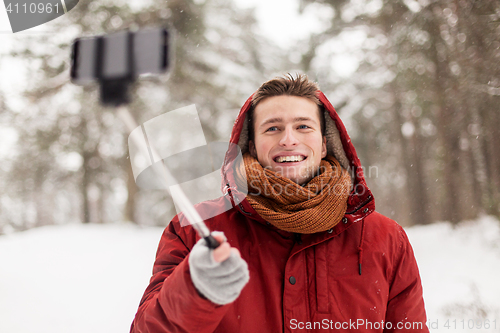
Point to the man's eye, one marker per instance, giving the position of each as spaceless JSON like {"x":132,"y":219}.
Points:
{"x":272,"y":129}
{"x":303,"y":126}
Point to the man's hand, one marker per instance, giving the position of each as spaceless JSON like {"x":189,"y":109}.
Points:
{"x":218,"y":274}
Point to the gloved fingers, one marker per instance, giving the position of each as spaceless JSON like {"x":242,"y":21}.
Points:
{"x":238,"y":284}
{"x":222,"y":253}
{"x":226,"y":287}
{"x":233,"y":263}
{"x":219,"y":235}
{"x":239,"y":277}
{"x":220,"y":282}
{"x":236,"y":252}
{"x":202,"y":257}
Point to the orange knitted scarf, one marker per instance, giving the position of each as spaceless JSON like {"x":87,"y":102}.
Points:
{"x":317,"y":206}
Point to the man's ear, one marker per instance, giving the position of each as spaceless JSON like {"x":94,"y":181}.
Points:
{"x":251,"y":149}
{"x":324,"y":150}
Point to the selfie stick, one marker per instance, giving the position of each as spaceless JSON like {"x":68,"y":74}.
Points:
{"x":115,"y":61}
{"x":178,"y":194}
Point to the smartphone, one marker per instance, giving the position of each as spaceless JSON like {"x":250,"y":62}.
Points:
{"x":119,"y":56}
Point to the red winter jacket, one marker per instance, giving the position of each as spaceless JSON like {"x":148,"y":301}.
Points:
{"x":360,"y":276}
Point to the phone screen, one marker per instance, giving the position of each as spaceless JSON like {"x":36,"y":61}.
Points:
{"x":119,"y":55}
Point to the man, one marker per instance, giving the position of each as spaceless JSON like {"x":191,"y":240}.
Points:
{"x":304,"y":251}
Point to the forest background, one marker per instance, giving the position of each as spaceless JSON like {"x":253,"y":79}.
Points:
{"x":417,"y":84}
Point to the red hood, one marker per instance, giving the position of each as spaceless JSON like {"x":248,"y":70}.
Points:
{"x":360,"y":202}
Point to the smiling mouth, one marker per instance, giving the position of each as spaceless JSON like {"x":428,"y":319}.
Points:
{"x":289,"y":159}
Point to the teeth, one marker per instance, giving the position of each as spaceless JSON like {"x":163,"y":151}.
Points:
{"x":282,"y":159}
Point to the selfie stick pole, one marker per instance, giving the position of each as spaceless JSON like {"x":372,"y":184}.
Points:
{"x":177,"y":193}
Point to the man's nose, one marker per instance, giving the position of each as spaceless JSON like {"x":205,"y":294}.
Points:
{"x":288,"y":138}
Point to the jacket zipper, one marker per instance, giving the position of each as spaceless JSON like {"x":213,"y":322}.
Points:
{"x":297,"y":238}
{"x":239,"y":205}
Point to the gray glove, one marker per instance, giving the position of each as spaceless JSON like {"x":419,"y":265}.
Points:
{"x":220,"y":282}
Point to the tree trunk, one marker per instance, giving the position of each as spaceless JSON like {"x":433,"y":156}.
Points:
{"x":411,"y":154}
{"x":448,"y":137}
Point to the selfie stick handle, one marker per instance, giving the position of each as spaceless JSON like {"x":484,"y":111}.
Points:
{"x":177,"y":193}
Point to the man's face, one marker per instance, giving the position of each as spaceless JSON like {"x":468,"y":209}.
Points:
{"x":288,"y":137}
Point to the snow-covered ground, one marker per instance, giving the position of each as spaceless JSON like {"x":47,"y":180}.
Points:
{"x":460,"y":270}
{"x":90,"y":278}
{"x":74,"y":278}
